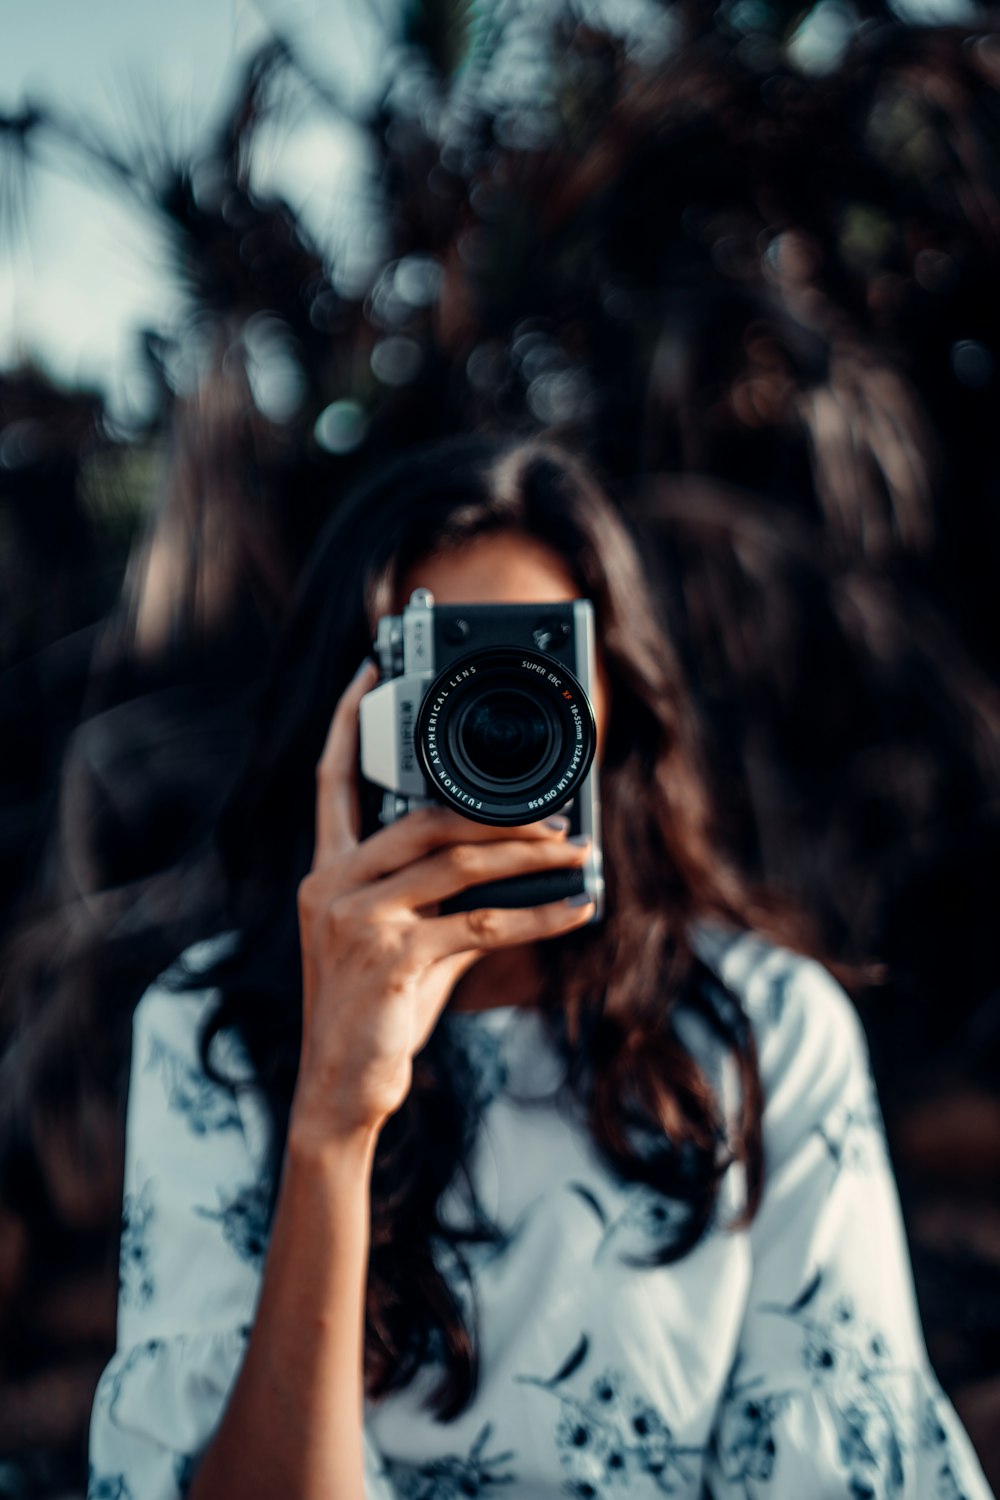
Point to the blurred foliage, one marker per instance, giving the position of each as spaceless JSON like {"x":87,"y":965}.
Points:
{"x":744,"y":255}
{"x":117,"y":487}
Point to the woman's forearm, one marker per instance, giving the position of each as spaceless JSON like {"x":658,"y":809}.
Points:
{"x":293,"y":1423}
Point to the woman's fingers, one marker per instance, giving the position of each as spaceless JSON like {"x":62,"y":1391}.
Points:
{"x":425,"y":829}
{"x":337,"y":812}
{"x":458,"y":866}
{"x":489,"y":927}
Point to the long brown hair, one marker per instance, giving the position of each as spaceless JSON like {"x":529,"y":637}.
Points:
{"x":611,"y":989}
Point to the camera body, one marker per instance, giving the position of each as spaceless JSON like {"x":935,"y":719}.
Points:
{"x":487,"y":709}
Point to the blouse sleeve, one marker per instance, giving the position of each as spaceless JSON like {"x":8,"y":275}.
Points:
{"x":831,"y":1393}
{"x":192,"y":1246}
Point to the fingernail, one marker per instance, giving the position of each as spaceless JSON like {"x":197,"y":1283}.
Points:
{"x":579,"y":838}
{"x":367,"y":662}
{"x":580,"y":899}
{"x":557,"y":824}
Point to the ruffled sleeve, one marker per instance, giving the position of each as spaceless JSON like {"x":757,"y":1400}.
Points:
{"x":831,"y":1394}
{"x":194,"y":1233}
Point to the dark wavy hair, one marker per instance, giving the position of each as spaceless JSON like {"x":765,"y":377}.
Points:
{"x":610,"y":989}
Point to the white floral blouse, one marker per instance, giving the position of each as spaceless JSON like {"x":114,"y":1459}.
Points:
{"x":785,"y":1361}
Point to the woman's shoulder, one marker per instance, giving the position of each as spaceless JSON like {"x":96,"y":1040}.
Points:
{"x":173,"y":1007}
{"x":811,"y":1044}
{"x":193,"y":1190}
{"x":167,"y":1070}
{"x":784,"y":994}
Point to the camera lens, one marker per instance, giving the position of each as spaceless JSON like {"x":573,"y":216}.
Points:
{"x":506,"y":735}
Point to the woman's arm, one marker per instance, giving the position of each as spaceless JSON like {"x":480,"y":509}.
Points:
{"x":293,"y":1425}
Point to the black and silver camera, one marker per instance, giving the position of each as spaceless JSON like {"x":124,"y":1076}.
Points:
{"x":487,"y":708}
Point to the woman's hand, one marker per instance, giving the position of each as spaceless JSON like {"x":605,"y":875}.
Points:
{"x":378,"y":964}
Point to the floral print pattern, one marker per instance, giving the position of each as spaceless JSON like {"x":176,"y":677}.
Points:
{"x":135,"y":1276}
{"x":848,"y":1359}
{"x":854,"y":1132}
{"x":244,"y":1220}
{"x":201,"y":1102}
{"x":653,"y":1216}
{"x":612,"y":1435}
{"x":184,"y":1466}
{"x":107,"y":1486}
{"x":484,"y":1053}
{"x":933,"y":1439}
{"x":453,"y":1476}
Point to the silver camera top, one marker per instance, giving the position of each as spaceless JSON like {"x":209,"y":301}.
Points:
{"x":405,"y":643}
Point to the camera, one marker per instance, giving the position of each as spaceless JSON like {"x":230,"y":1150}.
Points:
{"x":486,"y":708}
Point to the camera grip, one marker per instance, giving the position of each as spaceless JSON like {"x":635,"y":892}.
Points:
{"x":517,"y":890}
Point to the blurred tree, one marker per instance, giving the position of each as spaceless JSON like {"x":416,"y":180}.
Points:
{"x":741,"y":254}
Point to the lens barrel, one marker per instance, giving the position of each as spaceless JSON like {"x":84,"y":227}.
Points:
{"x":506,"y":735}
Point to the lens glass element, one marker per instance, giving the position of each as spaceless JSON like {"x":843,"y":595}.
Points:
{"x":505,"y":734}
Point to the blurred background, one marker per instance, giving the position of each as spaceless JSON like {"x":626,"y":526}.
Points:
{"x":746,"y":252}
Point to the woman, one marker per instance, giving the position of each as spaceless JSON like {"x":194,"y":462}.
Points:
{"x":503,"y":1200}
